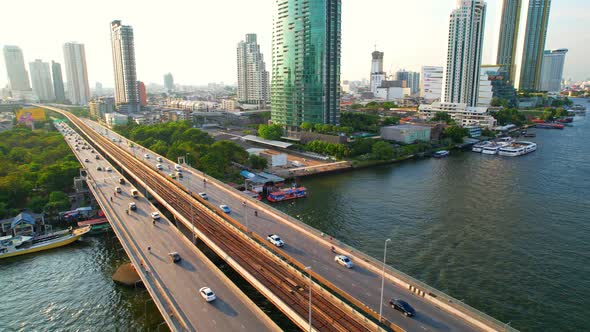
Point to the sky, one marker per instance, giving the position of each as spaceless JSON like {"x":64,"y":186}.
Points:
{"x":196,"y":40}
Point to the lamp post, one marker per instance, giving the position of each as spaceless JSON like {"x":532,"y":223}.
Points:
{"x":383,"y":279}
{"x":245,"y":214}
{"x":310,"y":284}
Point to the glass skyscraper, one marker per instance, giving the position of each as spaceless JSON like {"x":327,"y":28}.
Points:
{"x":509,"y":37}
{"x":534,"y":44}
{"x":306,"y":62}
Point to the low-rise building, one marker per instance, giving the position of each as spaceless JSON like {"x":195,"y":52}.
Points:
{"x":101,"y":106}
{"x":474,"y":131}
{"x":229,"y":104}
{"x":113,"y":119}
{"x":462,"y":114}
{"x":406,"y":133}
{"x":23,"y":224}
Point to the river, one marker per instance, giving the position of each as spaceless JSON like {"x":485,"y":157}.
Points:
{"x":509,"y":236}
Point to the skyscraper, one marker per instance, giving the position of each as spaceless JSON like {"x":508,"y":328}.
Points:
{"x":169,"y":82}
{"x":464,"y":52}
{"x":76,"y":73}
{"x":306,"y":62}
{"x":126,"y":96}
{"x":252,"y":74}
{"x":414,"y":82}
{"x":507,"y":43}
{"x":534,"y":44}
{"x":142,"y":93}
{"x":552,"y":70}
{"x":41,"y":80}
{"x":58,"y":82}
{"x":377,"y":73}
{"x":15,"y":68}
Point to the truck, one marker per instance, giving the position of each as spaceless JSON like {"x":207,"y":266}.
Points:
{"x":275,"y":240}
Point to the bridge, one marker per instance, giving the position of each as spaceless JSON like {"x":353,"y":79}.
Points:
{"x":341,"y":300}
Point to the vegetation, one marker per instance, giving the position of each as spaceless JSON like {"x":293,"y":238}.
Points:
{"x":509,"y":115}
{"x":330,"y":149}
{"x":550,"y":114}
{"x":365,"y":121}
{"x":374,"y":105}
{"x":273,"y":131}
{"x":456,"y":133}
{"x":36,"y":170}
{"x":443,"y":117}
{"x":383,"y":151}
{"x":257,"y":162}
{"x":176,"y":139}
{"x":561,"y":102}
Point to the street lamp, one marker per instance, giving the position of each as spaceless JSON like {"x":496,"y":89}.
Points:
{"x":310,"y":284}
{"x":383,"y":279}
{"x":245,"y":214}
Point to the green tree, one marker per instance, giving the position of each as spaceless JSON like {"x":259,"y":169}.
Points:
{"x":273,"y":131}
{"x":383,"y":150}
{"x":257,"y":162}
{"x":509,"y":116}
{"x":456,"y":133}
{"x":306,"y":126}
{"x":443,"y":117}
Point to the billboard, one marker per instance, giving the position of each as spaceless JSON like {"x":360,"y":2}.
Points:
{"x":28,"y":115}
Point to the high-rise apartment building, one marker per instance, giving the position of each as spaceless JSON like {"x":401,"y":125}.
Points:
{"x":58,"y":82}
{"x":123,"y":47}
{"x":252,"y":74}
{"x":534,"y":44}
{"x":18,"y":77}
{"x":142,"y":93}
{"x":411,"y":78}
{"x":507,"y":44}
{"x":552,"y":70}
{"x":41,"y":80}
{"x":377,"y":73}
{"x":431,"y":82}
{"x":78,"y":90}
{"x":169,"y":82}
{"x":464,"y":52}
{"x":306,"y":62}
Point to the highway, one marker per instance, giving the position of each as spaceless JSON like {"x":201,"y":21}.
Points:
{"x":363,"y":282}
{"x":285,"y":286}
{"x":231,"y":311}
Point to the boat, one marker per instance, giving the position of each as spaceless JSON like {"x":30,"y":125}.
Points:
{"x":566,"y":120}
{"x":530,"y":135}
{"x":537,"y":120}
{"x":546,"y":125}
{"x":97,"y":226}
{"x":518,"y":148}
{"x":20,"y":245}
{"x":479,"y":146}
{"x":287,"y":194}
{"x":440,"y":154}
{"x":496,"y":145}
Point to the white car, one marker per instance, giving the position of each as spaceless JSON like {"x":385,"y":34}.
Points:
{"x":276,"y":240}
{"x":159,"y":159}
{"x":159,"y":167}
{"x":207,"y":294}
{"x":155,"y":215}
{"x":225,"y":208}
{"x":344,"y":261}
{"x":108,"y":169}
{"x":146,"y":156}
{"x":204,"y":196}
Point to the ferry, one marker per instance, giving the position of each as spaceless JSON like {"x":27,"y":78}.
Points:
{"x":20,"y":245}
{"x":495,"y":146}
{"x":287,"y":194}
{"x":440,"y":154}
{"x":546,"y":125}
{"x":518,"y":148}
{"x":479,"y":146}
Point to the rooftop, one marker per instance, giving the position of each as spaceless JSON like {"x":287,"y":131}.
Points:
{"x":260,"y":140}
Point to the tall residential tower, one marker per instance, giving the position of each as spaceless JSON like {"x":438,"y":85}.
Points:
{"x":169,"y":82}
{"x":126,"y":96}
{"x":306,"y":62}
{"x":552,"y":70}
{"x":252,"y":74}
{"x":465,"y":48}
{"x":507,"y":43}
{"x":41,"y":80}
{"x":534,"y":44}
{"x":18,"y":77}
{"x":58,"y":82}
{"x":76,"y":73}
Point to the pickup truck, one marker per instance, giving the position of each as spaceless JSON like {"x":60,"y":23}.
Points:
{"x":276,"y":240}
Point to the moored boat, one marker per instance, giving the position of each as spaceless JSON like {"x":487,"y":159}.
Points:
{"x":479,"y":146}
{"x":20,"y":245}
{"x":287,"y":194}
{"x":99,"y":225}
{"x":440,"y":154}
{"x":546,"y":125}
{"x":518,"y":148}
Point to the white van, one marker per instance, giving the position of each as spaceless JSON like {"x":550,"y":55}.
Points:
{"x":178,"y":168}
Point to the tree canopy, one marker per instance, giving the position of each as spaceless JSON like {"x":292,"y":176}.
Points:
{"x":273,"y":131}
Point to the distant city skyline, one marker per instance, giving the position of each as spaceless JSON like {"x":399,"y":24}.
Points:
{"x":204,"y":50}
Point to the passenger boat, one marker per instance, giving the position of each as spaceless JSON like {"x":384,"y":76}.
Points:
{"x":549,"y":125}
{"x":20,"y":245}
{"x":479,"y":146}
{"x":495,"y":146}
{"x":97,"y":226}
{"x":518,"y":148}
{"x":287,"y":194}
{"x":440,"y":154}
{"x":566,"y":120}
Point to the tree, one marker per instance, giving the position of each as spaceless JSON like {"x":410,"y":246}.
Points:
{"x":383,"y":150}
{"x":443,"y":117}
{"x":306,"y":126}
{"x":273,"y":131}
{"x":390,"y":120}
{"x":509,"y":116}
{"x":456,"y":133}
{"x":257,"y":162}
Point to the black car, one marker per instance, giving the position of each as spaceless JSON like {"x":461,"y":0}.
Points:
{"x":121,"y":181}
{"x":403,"y":307}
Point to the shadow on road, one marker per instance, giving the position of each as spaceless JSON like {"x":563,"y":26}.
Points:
{"x":436,"y":325}
{"x":294,"y":250}
{"x":364,"y":271}
{"x":224,"y":307}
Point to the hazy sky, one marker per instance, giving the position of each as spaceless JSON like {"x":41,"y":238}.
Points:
{"x":196,"y":40}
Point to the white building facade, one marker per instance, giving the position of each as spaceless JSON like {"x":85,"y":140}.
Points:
{"x":463,"y":114}
{"x":552,"y":70}
{"x":18,"y":77}
{"x":464,"y":52}
{"x":123,"y":47}
{"x":78,"y":90}
{"x":431,"y":82}
{"x":41,"y":80}
{"x":377,"y":73}
{"x":253,"y":78}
